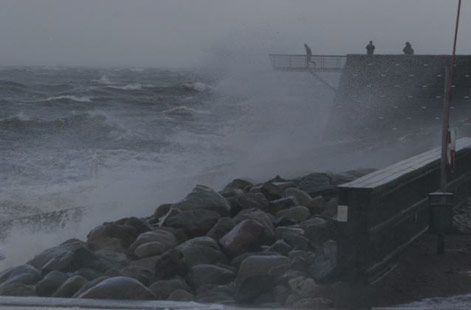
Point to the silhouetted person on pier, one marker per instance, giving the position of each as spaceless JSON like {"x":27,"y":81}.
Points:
{"x":370,"y":48}
{"x":408,"y":50}
{"x":308,"y":55}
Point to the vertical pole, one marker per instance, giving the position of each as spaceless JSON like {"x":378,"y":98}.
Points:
{"x":445,"y":125}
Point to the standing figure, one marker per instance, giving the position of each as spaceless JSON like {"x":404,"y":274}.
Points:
{"x":408,"y":50}
{"x":370,"y":48}
{"x":308,"y":55}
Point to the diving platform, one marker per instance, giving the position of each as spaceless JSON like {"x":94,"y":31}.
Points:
{"x":317,"y":63}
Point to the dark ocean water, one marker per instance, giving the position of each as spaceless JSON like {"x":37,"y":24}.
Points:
{"x":78,"y":137}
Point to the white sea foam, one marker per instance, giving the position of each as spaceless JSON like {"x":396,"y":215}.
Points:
{"x":198,"y":86}
{"x":134,"y":86}
{"x":69,"y":97}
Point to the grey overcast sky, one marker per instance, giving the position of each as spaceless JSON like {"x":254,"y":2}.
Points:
{"x":185,"y":32}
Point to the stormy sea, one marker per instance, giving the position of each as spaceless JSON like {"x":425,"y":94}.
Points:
{"x":118,"y":142}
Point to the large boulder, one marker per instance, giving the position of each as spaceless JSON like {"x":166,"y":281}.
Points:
{"x":301,"y":197}
{"x":153,"y":243}
{"x":247,"y":235}
{"x":163,"y":288}
{"x":206,"y":274}
{"x":181,"y":295}
{"x":219,"y":294}
{"x":304,"y":287}
{"x":316,"y":184}
{"x":257,"y":275}
{"x":17,"y":289}
{"x":222,"y":227}
{"x":201,"y":250}
{"x":281,"y":204}
{"x":242,"y":184}
{"x":205,"y":198}
{"x":275,"y":190}
{"x":112,"y":237}
{"x":71,"y":286}
{"x":119,"y":288}
{"x":298,"y":214}
{"x":318,"y":230}
{"x":265,"y":219}
{"x":71,"y":256}
{"x":194,"y":223}
{"x":50,"y":283}
{"x":26,"y":274}
{"x":323,"y":268}
{"x":280,"y":246}
{"x":169,"y":265}
{"x":248,"y":201}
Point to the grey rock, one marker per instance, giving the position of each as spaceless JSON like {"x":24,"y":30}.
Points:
{"x":141,"y":274}
{"x":166,"y":239}
{"x":169,"y":265}
{"x":257,"y":275}
{"x":236,"y":261}
{"x":296,"y":241}
{"x":193,"y":222}
{"x":300,"y":260}
{"x":304,"y":287}
{"x":281,"y":293}
{"x":112,"y":237}
{"x":245,"y":236}
{"x":162,"y":210}
{"x":71,"y":286}
{"x":317,"y":205}
{"x":17,"y":289}
{"x":222,"y":227}
{"x":206,"y":274}
{"x":87,"y":273}
{"x":24,"y":274}
{"x":318,"y":230}
{"x":163,"y":288}
{"x":205,"y":198}
{"x":181,"y":295}
{"x":242,"y":184}
{"x":221,"y":294}
{"x":279,"y":231}
{"x":248,"y":201}
{"x":201,"y":250}
{"x":140,"y":225}
{"x":316,"y":184}
{"x":281,"y":247}
{"x":275,"y":190}
{"x":147,"y":263}
{"x":297,"y":214}
{"x":89,"y":285}
{"x":301,"y":197}
{"x":324,"y":267}
{"x":119,"y":288}
{"x":308,"y":303}
{"x":150,"y":249}
{"x":265,"y":219}
{"x":281,"y":204}
{"x":50,"y":283}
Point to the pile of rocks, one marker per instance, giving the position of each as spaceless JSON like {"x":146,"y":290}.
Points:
{"x":260,"y":244}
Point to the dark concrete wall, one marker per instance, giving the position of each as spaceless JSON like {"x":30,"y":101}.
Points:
{"x":398,"y":93}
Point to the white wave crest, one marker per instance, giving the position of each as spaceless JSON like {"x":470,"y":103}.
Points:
{"x":73,"y":98}
{"x":135,"y":86}
{"x":197,"y":86}
{"x":104,"y":80}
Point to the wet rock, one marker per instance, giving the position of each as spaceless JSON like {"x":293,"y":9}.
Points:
{"x":248,"y":201}
{"x":204,"y":198}
{"x":206,"y":274}
{"x":318,"y":230}
{"x":300,"y":196}
{"x":301,"y":260}
{"x":169,"y":265}
{"x":247,"y":235}
{"x":89,"y":285}
{"x":316,"y":205}
{"x":297,"y":214}
{"x":242,"y":184}
{"x":162,"y":210}
{"x":140,"y":225}
{"x":150,"y":249}
{"x":201,"y":250}
{"x":112,"y":237}
{"x":141,"y":274}
{"x":257,"y":276}
{"x":323,"y":268}
{"x":308,"y":303}
{"x":222,"y":227}
{"x":71,"y":286}
{"x":147,"y":263}
{"x":296,"y":240}
{"x":265,"y":219}
{"x":163,"y":288}
{"x":25,"y":274}
{"x":239,"y":259}
{"x":304,"y":287}
{"x":283,"y":221}
{"x":316,"y":184}
{"x":87,"y":273}
{"x":165,"y":238}
{"x":221,"y":294}
{"x":181,"y":295}
{"x":50,"y":283}
{"x":193,"y":222}
{"x":281,"y":204}
{"x":17,"y":289}
{"x":118,"y":288}
{"x":281,"y":247}
{"x":279,"y":231}
{"x":275,"y":190}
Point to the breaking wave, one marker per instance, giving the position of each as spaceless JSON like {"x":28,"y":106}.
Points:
{"x":197,"y":87}
{"x":69,"y":98}
{"x":135,"y":86}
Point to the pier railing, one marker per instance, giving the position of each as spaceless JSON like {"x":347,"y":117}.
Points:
{"x":318,"y":63}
